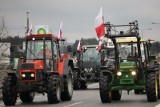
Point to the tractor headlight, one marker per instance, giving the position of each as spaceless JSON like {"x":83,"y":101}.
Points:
{"x":119,"y":73}
{"x":133,"y":72}
{"x":32,"y":75}
{"x":23,"y":75}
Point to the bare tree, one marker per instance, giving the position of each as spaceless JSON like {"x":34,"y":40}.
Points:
{"x":3,"y":26}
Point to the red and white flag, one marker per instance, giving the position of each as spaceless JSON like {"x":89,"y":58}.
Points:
{"x":79,"y":48}
{"x":99,"y":24}
{"x":60,"y":31}
{"x":30,"y":30}
{"x":100,"y":45}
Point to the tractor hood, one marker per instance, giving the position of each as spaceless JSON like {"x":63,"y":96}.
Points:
{"x":37,"y":64}
{"x":127,"y":65}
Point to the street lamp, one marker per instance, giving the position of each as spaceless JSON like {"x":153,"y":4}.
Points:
{"x":143,"y":31}
{"x":27,"y":22}
{"x":155,"y":23}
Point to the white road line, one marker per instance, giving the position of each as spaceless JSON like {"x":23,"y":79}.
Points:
{"x":73,"y":104}
{"x":95,"y":84}
{"x":157,"y":105}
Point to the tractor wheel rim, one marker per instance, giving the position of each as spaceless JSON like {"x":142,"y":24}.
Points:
{"x":156,"y":87}
{"x":70,"y":87}
{"x":58,"y":91}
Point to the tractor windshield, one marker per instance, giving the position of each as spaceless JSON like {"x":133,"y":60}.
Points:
{"x":35,"y":49}
{"x":91,"y":53}
{"x":126,"y":51}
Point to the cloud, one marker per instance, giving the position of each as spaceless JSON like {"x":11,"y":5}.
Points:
{"x":78,"y":15}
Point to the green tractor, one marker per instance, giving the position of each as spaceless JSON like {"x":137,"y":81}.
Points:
{"x":132,"y":67}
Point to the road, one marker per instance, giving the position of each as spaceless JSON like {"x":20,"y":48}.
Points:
{"x":91,"y":98}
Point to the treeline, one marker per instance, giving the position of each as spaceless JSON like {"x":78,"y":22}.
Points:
{"x":13,"y":40}
{"x":155,"y":48}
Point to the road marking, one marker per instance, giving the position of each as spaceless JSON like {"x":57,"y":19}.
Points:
{"x":92,"y":85}
{"x":73,"y":104}
{"x":157,"y":105}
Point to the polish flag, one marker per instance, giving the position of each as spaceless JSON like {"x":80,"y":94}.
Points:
{"x":30,"y":30}
{"x":60,"y":31}
{"x":79,"y":47}
{"x":99,"y":24}
{"x":100,"y":45}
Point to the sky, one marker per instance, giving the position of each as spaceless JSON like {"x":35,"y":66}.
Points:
{"x":78,"y":16}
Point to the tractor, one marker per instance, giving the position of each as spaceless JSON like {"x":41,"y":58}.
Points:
{"x":41,"y":69}
{"x":79,"y":74}
{"x":87,"y":63}
{"x":91,"y":59}
{"x":132,"y":68}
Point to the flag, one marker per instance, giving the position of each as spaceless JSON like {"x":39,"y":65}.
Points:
{"x":30,"y":30}
{"x":60,"y":31}
{"x":79,"y":48}
{"x":99,"y":24}
{"x":100,"y":45}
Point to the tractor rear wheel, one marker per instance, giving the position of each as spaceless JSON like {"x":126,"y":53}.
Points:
{"x":66,"y":95}
{"x":54,"y":90}
{"x":151,"y":87}
{"x":9,"y":91}
{"x":104,"y":88}
{"x":76,"y":81}
{"x":116,"y":95}
{"x":26,"y":97}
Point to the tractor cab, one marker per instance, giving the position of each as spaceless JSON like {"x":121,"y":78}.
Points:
{"x":41,"y":53}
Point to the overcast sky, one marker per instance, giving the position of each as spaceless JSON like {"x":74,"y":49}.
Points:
{"x":78,"y":15}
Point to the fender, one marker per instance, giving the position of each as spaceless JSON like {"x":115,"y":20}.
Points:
{"x":63,"y":66}
{"x":106,"y":71}
{"x":152,"y":67}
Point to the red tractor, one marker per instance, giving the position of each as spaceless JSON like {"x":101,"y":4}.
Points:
{"x":41,"y":69}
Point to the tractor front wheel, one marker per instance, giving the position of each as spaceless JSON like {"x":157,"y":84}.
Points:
{"x":26,"y":97}
{"x":151,"y":87}
{"x":116,"y":95}
{"x":9,"y":91}
{"x":76,"y":81}
{"x":104,"y":88}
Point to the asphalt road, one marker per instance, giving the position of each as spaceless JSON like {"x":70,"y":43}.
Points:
{"x":91,"y":98}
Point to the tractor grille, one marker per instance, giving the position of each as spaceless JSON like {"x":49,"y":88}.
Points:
{"x":27,"y":66}
{"x":28,"y":76}
{"x":126,"y":81}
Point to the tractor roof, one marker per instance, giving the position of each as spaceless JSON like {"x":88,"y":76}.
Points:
{"x":128,"y":40}
{"x":39,"y":36}
{"x":90,"y":46}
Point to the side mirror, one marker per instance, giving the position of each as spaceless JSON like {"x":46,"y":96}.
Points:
{"x":84,"y":49}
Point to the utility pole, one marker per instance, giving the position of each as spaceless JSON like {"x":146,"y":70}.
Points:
{"x":27,"y":29}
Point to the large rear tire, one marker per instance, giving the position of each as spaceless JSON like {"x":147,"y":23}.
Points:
{"x":9,"y":91}
{"x":26,"y":97}
{"x":151,"y":87}
{"x":66,"y":95}
{"x":104,"y":88}
{"x":54,"y":90}
{"x":116,"y":95}
{"x":76,"y":81}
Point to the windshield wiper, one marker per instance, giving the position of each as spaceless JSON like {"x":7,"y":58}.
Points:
{"x":32,"y":53}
